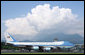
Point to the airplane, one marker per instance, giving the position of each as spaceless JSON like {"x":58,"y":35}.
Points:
{"x":41,"y":46}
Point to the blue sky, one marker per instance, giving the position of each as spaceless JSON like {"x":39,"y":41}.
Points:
{"x":13,"y":9}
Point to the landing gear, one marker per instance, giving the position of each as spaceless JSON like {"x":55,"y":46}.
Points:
{"x":41,"y":49}
{"x":29,"y":50}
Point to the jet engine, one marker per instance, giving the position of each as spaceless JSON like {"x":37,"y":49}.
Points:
{"x":47,"y":49}
{"x":35,"y":48}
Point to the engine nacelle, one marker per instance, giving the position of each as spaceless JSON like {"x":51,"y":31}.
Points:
{"x":35,"y":48}
{"x":47,"y":49}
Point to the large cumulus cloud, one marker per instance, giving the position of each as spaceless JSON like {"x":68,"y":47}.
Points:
{"x":42,"y":17}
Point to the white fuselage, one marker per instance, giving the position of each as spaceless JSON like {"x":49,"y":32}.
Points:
{"x":38,"y":43}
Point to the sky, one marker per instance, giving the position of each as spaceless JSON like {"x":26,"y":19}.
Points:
{"x":29,"y":18}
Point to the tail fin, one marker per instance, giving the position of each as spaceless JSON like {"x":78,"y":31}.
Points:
{"x":9,"y":38}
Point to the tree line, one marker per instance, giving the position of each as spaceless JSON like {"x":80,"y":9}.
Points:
{"x":9,"y":47}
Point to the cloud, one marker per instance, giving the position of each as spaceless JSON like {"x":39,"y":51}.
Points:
{"x":76,"y":28}
{"x":20,"y":26}
{"x":42,"y":17}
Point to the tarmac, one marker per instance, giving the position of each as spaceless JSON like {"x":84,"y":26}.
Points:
{"x":26,"y":51}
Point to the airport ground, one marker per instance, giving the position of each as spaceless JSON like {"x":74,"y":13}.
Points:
{"x":36,"y":52}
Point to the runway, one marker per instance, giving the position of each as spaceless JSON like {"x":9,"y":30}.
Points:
{"x":35,"y":52}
